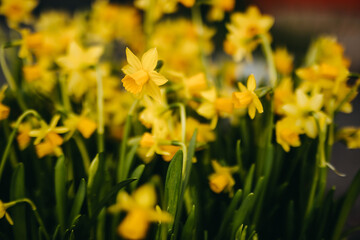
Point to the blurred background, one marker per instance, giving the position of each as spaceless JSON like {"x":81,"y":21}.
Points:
{"x":297,"y":23}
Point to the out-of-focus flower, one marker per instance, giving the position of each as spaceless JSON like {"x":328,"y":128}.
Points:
{"x":39,"y":77}
{"x":141,"y":78}
{"x":288,"y":130}
{"x":351,"y":136}
{"x":23,"y":137}
{"x":180,"y":48}
{"x":221,"y":180}
{"x":140,"y":212}
{"x":218,"y":8}
{"x":283,"y":93}
{"x":283,"y":61}
{"x":17,"y":11}
{"x":4,"y":110}
{"x":212,"y":107}
{"x":50,"y":136}
{"x":85,"y":125}
{"x":243,"y":28}
{"x":205,"y":133}
{"x":76,"y":65}
{"x":303,"y":109}
{"x":247,"y":98}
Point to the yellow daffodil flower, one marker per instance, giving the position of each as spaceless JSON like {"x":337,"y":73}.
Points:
{"x":218,"y":8}
{"x":17,"y":11}
{"x":141,"y":78}
{"x":287,"y":133}
{"x":243,"y":28}
{"x":23,"y":137}
{"x":247,"y":98}
{"x":351,"y":136}
{"x":205,"y":133}
{"x":140,"y":212}
{"x":283,"y":61}
{"x":4,"y":110}
{"x":212,"y":107}
{"x":50,"y":136}
{"x":3,"y":207}
{"x":283,"y":93}
{"x":303,"y":108}
{"x":222,"y":180}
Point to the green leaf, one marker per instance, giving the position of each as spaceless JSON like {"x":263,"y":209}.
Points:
{"x":225,"y":223}
{"x":189,"y":227}
{"x":249,"y":181}
{"x":60,"y":192}
{"x":56,"y":233}
{"x":72,"y":235}
{"x":241,"y":213}
{"x":185,"y":180}
{"x":17,"y":191}
{"x":350,"y":198}
{"x":136,"y":174}
{"x":78,"y":201}
{"x":129,"y":160}
{"x":96,"y":181}
{"x":173,"y":185}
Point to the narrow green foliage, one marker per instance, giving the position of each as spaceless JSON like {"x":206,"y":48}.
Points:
{"x":78,"y":201}
{"x":17,"y":191}
{"x":241,"y":214}
{"x":188,"y":231}
{"x":229,"y":214}
{"x":173,"y":185}
{"x":60,"y":193}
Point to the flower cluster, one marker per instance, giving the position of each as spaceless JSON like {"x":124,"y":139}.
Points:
{"x":141,"y":94}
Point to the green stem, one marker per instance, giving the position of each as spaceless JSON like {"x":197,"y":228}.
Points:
{"x":100,"y":112}
{"x":83,"y":152}
{"x":12,"y":156}
{"x":10,"y":79}
{"x":182,"y":119}
{"x":64,"y":94}
{"x":269,"y":59}
{"x":36,"y":213}
{"x":127,"y":128}
{"x":12,"y":136}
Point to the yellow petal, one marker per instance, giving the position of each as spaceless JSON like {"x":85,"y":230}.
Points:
{"x":151,"y":89}
{"x":134,"y":225}
{"x":157,"y":78}
{"x":218,"y":182}
{"x":252,"y":111}
{"x":140,"y":77}
{"x":149,"y":59}
{"x":145,"y":196}
{"x":251,"y":83}
{"x":130,"y":85}
{"x":133,"y":60}
{"x":206,"y":110}
{"x":86,"y":126}
{"x":258,"y":105}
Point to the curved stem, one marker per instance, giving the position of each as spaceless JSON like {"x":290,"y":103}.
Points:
{"x":269,"y":59}
{"x":12,"y":136}
{"x":36,"y":213}
{"x":10,"y":79}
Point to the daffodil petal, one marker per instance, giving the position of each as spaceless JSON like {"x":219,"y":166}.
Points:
{"x":133,"y":60}
{"x":251,"y":83}
{"x":149,"y":59}
{"x":157,"y":78}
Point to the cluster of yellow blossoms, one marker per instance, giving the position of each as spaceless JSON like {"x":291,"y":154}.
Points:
{"x":73,"y":62}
